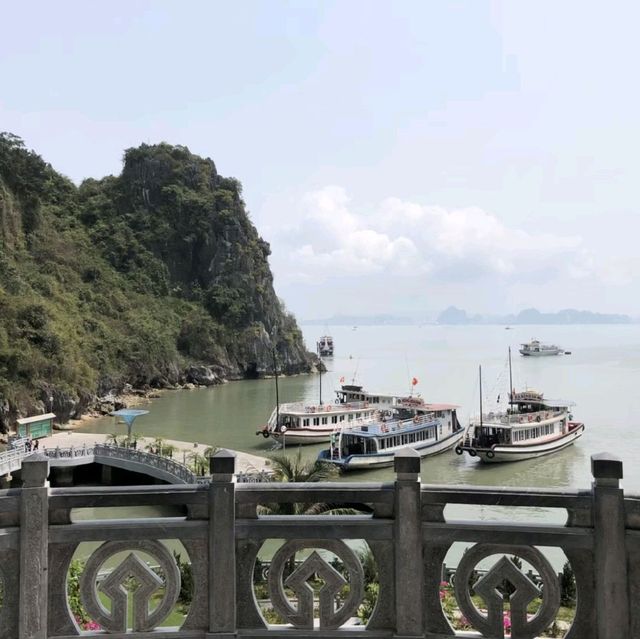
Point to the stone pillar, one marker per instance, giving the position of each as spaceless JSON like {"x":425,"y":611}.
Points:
{"x":610,"y":557}
{"x":34,"y":548}
{"x":222,"y":547}
{"x":408,"y":545}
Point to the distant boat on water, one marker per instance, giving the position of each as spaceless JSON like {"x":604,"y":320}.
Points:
{"x":535,"y":348}
{"x":325,"y":346}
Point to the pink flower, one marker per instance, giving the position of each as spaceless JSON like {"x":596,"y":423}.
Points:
{"x":507,"y":621}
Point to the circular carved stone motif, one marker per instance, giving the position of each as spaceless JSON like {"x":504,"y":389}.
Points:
{"x":314,"y":564}
{"x":114,"y":586}
{"x":492,"y":625}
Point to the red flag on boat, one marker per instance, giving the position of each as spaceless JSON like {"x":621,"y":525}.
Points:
{"x":342,"y":380}
{"x":414,"y":381}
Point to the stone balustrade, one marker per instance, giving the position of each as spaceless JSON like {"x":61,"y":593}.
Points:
{"x":404,"y":525}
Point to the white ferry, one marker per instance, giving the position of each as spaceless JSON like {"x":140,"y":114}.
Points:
{"x":300,"y":423}
{"x":533,"y":426}
{"x":325,"y":346}
{"x":427,"y":428}
{"x":535,"y":348}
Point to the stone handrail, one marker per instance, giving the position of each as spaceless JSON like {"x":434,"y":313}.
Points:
{"x":403,"y":524}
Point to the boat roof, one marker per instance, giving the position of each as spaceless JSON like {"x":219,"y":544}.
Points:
{"x":430,"y":406}
{"x":375,"y":428}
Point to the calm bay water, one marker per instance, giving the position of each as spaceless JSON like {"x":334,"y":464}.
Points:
{"x":601,"y":375}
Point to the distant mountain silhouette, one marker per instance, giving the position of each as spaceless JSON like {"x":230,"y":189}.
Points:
{"x":453,"y":315}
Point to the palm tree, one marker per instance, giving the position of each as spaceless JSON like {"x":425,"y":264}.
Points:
{"x":294,"y":469}
{"x":156,"y":446}
{"x":210,"y":451}
{"x":112,"y":438}
{"x":199,"y":463}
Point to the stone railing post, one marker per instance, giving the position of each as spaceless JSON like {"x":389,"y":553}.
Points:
{"x":222,"y":546}
{"x":408,"y":545}
{"x":34,"y":548}
{"x":610,"y":556}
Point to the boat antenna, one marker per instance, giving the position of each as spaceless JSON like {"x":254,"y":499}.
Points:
{"x":510,"y":380}
{"x":480,"y":378}
{"x":355,"y":371}
{"x":320,"y":378}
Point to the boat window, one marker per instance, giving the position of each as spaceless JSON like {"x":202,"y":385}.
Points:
{"x":334,"y":419}
{"x":441,"y":427}
{"x":316,"y":421}
{"x":305,"y":422}
{"x":325,"y":420}
{"x":341,"y":418}
{"x":350,"y":416}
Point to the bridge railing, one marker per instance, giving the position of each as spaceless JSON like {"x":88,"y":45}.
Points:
{"x":381,"y":547}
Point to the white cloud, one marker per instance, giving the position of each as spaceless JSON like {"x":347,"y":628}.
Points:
{"x":330,"y":238}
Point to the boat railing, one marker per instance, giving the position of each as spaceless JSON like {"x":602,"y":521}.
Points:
{"x":404,"y":520}
{"x":491,"y":418}
{"x":311,"y":409}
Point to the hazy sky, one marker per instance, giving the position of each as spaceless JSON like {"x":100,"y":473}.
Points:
{"x":399,"y":156}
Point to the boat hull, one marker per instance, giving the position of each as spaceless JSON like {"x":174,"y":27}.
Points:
{"x":499,"y":454}
{"x":300,"y":436}
{"x":380,"y":460}
{"x":539,"y":353}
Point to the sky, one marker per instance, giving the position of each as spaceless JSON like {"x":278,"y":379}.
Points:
{"x":400,"y":157}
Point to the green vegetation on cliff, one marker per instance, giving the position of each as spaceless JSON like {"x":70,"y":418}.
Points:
{"x":154,"y":277}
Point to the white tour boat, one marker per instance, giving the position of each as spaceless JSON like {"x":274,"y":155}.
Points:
{"x":535,"y":348}
{"x":427,"y":428}
{"x":532,"y":426}
{"x":300,"y":423}
{"x":325,"y":346}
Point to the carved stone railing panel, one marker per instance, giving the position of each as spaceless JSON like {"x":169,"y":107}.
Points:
{"x":492,"y":624}
{"x":114,"y":586}
{"x":383,"y":616}
{"x":60,"y":617}
{"x":584,"y":621}
{"x":249,"y":616}
{"x":197,"y":617}
{"x":407,"y":534}
{"x":331,"y":615}
{"x":9,"y":590}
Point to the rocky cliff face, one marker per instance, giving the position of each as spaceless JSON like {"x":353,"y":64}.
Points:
{"x":154,"y":278}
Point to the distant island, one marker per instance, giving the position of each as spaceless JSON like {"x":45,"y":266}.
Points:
{"x":455,"y":316}
{"x":361,"y":320}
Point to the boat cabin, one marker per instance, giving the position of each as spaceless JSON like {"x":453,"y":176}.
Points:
{"x":377,"y":437}
{"x":299,"y":415}
{"x":354,"y":393}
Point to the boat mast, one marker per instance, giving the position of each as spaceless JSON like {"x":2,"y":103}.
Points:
{"x":320,"y":379}
{"x":275,"y":371}
{"x":510,"y":380}
{"x":480,"y":377}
